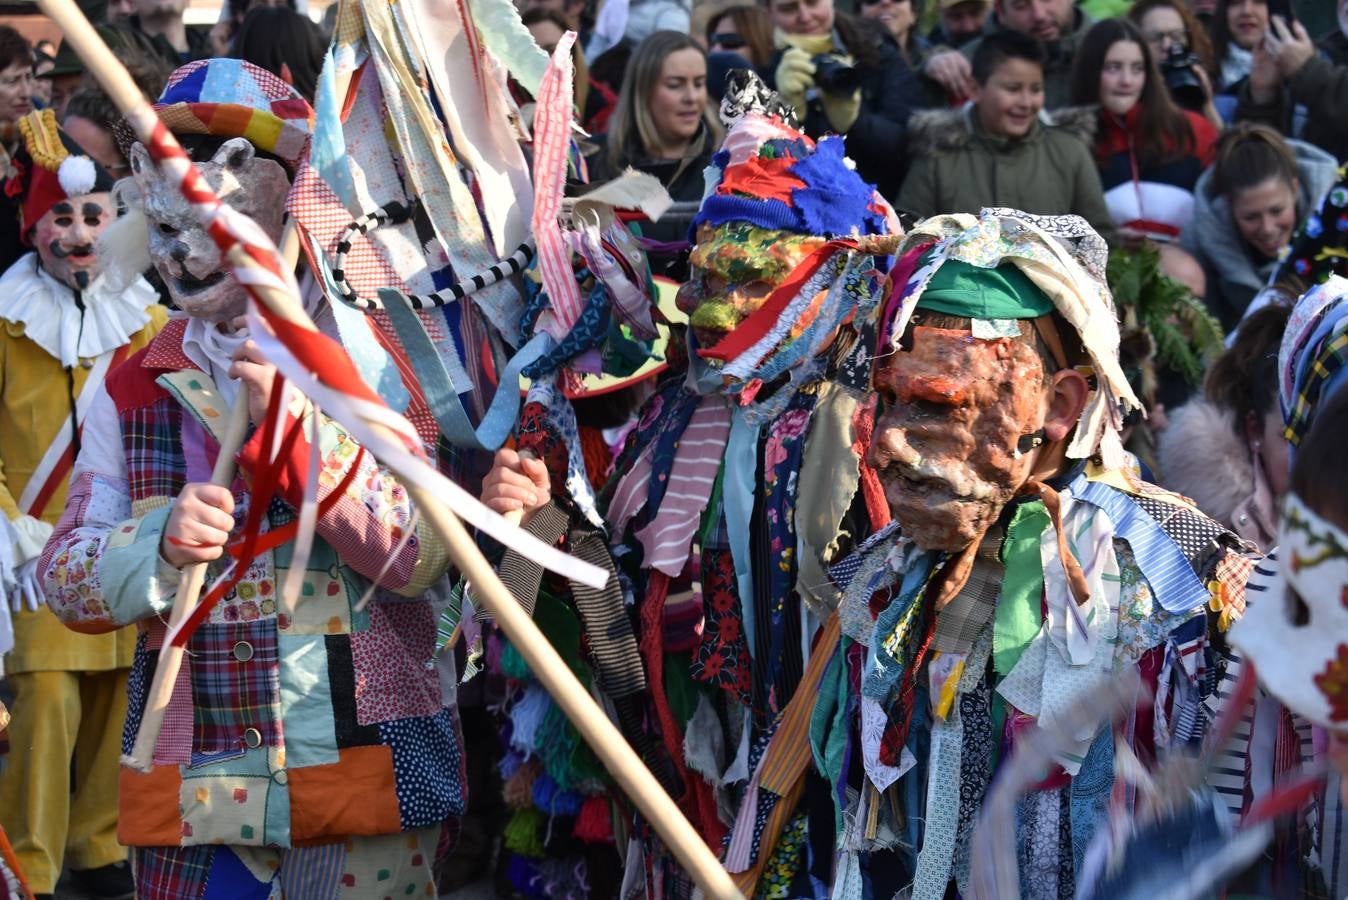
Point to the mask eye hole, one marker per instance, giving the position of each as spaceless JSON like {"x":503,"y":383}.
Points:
{"x":1295,"y":608}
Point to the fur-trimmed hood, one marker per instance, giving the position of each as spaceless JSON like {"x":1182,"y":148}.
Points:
{"x":936,"y":131}
{"x":1202,"y":457}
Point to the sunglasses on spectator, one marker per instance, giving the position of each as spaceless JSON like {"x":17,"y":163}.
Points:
{"x":1178,"y":36}
{"x":729,"y":40}
{"x":878,"y":2}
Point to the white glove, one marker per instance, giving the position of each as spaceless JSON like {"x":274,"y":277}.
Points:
{"x":27,"y":591}
{"x":28,"y":535}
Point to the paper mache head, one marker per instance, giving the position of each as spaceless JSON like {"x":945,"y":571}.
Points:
{"x":789,"y":243}
{"x":246,"y":130}
{"x":985,"y":311}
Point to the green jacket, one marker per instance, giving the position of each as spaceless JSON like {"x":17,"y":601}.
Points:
{"x":956,"y":168}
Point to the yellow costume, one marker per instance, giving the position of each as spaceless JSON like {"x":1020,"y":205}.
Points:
{"x":70,"y":688}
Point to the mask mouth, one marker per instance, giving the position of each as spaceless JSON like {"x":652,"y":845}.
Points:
{"x":188,"y":284}
{"x":82,"y":252}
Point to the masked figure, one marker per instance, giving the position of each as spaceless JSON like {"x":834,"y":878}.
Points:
{"x":1294,"y":631}
{"x":306,"y":746}
{"x":740,"y":482}
{"x":1027,"y":565}
{"x":65,"y":329}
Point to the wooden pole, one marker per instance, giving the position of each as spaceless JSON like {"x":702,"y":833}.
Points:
{"x":605,"y":739}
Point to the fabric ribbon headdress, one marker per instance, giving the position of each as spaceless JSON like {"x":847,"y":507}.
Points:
{"x":1058,"y":262}
{"x":770,"y":176}
{"x":51,"y":168}
{"x":1311,"y":358}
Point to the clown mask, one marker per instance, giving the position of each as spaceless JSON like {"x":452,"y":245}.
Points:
{"x":64,"y":238}
{"x":735,"y":268}
{"x":954,"y":410}
{"x":181,"y":250}
{"x":1296,"y":635}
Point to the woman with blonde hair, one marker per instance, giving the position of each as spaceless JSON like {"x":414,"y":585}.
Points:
{"x":662,"y":126}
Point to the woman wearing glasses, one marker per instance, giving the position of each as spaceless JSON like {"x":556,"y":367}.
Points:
{"x":742,"y":29}
{"x":1180,"y":45}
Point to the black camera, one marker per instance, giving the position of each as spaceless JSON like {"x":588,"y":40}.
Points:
{"x":832,"y":76}
{"x":1177,"y":70}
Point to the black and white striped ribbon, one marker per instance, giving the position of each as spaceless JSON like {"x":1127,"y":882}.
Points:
{"x":395,"y":214}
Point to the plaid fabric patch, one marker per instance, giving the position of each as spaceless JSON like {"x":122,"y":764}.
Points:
{"x":1333,"y":354}
{"x":235,"y":686}
{"x":171,"y":873}
{"x":154,"y":459}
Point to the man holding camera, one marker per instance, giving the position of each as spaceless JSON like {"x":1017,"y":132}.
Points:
{"x":1057,"y":24}
{"x":1292,"y":77}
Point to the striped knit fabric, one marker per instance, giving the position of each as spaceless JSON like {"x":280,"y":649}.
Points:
{"x":668,"y":537}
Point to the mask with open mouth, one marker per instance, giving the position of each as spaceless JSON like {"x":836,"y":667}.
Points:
{"x":183,"y":253}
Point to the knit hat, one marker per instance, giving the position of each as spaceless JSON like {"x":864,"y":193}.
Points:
{"x":1012,"y":265}
{"x":771,"y":175}
{"x":232,"y":98}
{"x":51,"y":168}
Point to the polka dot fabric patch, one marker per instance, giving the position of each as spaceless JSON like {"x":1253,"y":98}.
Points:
{"x":427,"y":768}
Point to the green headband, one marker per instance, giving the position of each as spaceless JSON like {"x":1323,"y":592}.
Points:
{"x":960,"y":289}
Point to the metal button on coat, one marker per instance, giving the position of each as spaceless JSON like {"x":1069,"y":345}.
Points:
{"x":252,"y":738}
{"x":280,"y":776}
{"x":243,"y":651}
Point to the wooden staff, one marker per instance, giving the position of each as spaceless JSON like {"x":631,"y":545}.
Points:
{"x":606,"y":741}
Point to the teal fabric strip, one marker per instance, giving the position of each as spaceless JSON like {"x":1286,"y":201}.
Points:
{"x":439,"y":388}
{"x":828,"y":726}
{"x":741,"y":464}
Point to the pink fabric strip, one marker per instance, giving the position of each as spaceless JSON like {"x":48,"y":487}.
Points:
{"x":552,"y":135}
{"x":696,"y":462}
{"x":631,"y":493}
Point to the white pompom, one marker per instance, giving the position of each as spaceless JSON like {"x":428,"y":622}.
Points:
{"x":77,"y":175}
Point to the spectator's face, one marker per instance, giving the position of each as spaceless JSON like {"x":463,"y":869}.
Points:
{"x":726,"y":38}
{"x":63,"y":87}
{"x":42,"y":86}
{"x":952,"y":411}
{"x":16,"y":91}
{"x":546,"y":35}
{"x":1247,"y":20}
{"x":120,"y":10}
{"x":568,"y":8}
{"x":1043,"y":20}
{"x":159,"y":8}
{"x":679,"y":97}
{"x":98,"y":143}
{"x":802,"y":16}
{"x":1163,"y":28}
{"x":64,"y":237}
{"x":1122,"y":77}
{"x":896,"y":15}
{"x":1011,"y":99}
{"x":1343,"y":26}
{"x":1265,"y":215}
{"x":964,"y":20}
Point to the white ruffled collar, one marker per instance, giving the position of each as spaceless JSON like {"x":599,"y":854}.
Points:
{"x":46,"y":309}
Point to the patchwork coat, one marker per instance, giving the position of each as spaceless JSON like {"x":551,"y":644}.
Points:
{"x":286,"y":727}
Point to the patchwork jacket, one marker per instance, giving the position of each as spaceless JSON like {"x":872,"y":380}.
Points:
{"x":286,"y":727}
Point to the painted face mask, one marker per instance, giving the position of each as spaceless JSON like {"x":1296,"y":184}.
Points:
{"x":181,"y":250}
{"x":64,"y":238}
{"x":953,"y":411}
{"x":735,"y":268}
{"x":1297,"y":635}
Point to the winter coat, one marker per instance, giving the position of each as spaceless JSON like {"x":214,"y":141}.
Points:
{"x":1234,"y":273}
{"x":890,"y":93}
{"x":1320,"y":88}
{"x":1059,"y":57}
{"x":1155,"y":198}
{"x":1202,"y":458}
{"x":958,"y":169}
